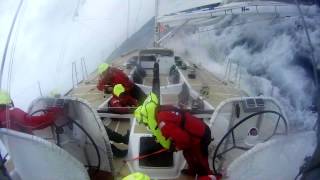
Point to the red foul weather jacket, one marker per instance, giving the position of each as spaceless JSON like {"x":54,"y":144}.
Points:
{"x":16,"y":119}
{"x":189,"y":134}
{"x":185,"y":133}
{"x":115,"y":76}
{"x":122,"y":102}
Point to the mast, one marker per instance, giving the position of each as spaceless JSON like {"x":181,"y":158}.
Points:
{"x":8,"y":42}
{"x":156,"y":25}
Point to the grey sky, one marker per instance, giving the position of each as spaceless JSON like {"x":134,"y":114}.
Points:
{"x":51,"y":34}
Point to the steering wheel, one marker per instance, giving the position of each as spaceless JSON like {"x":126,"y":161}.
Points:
{"x":231,"y":132}
{"x":59,"y":130}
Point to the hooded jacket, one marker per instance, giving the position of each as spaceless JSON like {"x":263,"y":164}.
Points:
{"x":114,"y":76}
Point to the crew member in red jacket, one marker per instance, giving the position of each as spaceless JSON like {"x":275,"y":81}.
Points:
{"x":16,"y":119}
{"x":111,"y":76}
{"x":186,"y":132}
{"x":121,"y":100}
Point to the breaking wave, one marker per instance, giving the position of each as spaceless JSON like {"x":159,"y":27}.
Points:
{"x":273,"y":54}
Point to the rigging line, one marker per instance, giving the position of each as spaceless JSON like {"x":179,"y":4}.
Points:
{"x":8,"y":40}
{"x":137,"y":17}
{"x":9,"y":76}
{"x":128,"y":19}
{"x":10,"y":67}
{"x":11,"y":62}
{"x":12,"y":54}
{"x":314,"y":61}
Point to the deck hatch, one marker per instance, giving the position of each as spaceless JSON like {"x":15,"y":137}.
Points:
{"x":148,"y":145}
{"x":252,"y":105}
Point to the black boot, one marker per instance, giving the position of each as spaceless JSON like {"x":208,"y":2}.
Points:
{"x":116,"y":137}
{"x":118,"y":152}
{"x":126,"y":137}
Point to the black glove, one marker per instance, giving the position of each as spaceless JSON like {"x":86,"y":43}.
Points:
{"x":172,"y":148}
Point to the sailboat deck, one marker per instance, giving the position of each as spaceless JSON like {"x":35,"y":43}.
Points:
{"x":218,"y":91}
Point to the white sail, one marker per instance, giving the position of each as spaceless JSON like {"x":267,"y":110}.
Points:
{"x":234,"y":8}
{"x":173,"y":6}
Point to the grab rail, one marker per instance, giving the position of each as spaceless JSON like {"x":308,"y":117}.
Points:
{"x":84,"y":71}
{"x":75,"y":79}
{"x":236,"y":74}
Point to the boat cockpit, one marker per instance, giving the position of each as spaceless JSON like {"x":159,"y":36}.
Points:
{"x":237,"y":125}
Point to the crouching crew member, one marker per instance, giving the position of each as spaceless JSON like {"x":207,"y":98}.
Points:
{"x":111,"y":76}
{"x":175,"y":129}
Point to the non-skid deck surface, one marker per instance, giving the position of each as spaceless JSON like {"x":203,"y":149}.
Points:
{"x":163,"y":80}
{"x":218,"y":91}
